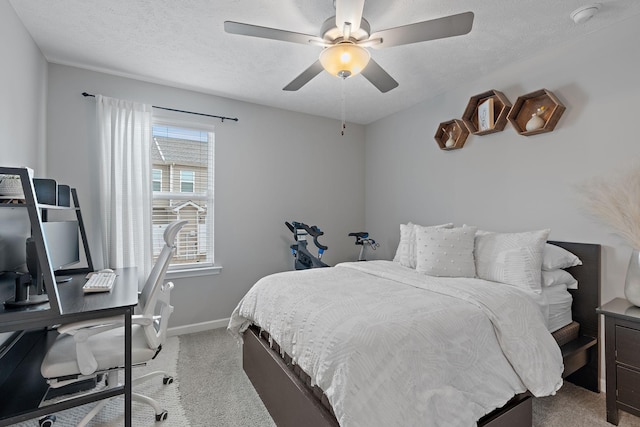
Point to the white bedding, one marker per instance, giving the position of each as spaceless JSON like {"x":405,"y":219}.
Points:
{"x":393,"y":347}
{"x":559,"y":302}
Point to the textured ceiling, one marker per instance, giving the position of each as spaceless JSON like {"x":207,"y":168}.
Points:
{"x":182,"y":43}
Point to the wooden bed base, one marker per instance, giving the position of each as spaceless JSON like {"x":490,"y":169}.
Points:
{"x":291,"y":402}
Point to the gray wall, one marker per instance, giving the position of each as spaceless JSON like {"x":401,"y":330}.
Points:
{"x":23,"y":83}
{"x":271,"y":166}
{"x":23,"y":89}
{"x":266,"y":171}
{"x":507,"y":182}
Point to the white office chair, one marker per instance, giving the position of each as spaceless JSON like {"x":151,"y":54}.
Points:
{"x":87,"y":349}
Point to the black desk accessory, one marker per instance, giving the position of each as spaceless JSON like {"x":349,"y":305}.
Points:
{"x":22,"y":297}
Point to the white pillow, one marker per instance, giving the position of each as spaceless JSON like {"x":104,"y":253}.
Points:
{"x":555,"y":257}
{"x":445,"y":252}
{"x":558,"y":277}
{"x":511,"y":258}
{"x":406,"y":251}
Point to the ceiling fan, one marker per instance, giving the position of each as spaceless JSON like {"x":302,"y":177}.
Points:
{"x":346,"y":36}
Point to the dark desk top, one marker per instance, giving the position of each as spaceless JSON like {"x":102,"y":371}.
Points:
{"x":75,"y":305}
{"x":620,"y":308}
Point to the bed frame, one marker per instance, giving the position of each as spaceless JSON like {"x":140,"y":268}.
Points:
{"x":291,"y":401}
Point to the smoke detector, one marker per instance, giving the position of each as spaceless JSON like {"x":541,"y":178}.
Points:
{"x":583,"y":14}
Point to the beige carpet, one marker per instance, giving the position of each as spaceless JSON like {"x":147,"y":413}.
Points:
{"x":216,"y":391}
{"x":212,"y":390}
{"x":142,"y":415}
{"x":574,"y":406}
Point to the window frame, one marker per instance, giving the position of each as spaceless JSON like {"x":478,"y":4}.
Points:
{"x":195,"y":268}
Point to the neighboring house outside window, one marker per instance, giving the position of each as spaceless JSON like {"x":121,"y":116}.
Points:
{"x":182,"y":163}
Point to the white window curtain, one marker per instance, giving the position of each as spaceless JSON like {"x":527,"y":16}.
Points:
{"x":124,"y":130}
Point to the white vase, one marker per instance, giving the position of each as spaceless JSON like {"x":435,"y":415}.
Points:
{"x":632,"y":281}
{"x":534,"y":123}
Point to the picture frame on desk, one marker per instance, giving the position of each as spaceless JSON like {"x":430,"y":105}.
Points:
{"x":485,"y":115}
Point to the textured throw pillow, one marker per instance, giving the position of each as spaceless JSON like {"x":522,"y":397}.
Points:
{"x":406,"y":251}
{"x":403,"y":254}
{"x":558,"y":277}
{"x":511,"y":258}
{"x":445,"y":252}
{"x":555,"y":257}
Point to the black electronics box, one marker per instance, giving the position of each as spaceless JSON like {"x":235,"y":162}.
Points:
{"x":46,"y":191}
{"x":64,"y":195}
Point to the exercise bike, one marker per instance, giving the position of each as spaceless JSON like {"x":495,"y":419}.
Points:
{"x":363,"y":239}
{"x":303,"y":258}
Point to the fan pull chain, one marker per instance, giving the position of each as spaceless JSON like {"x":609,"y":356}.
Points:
{"x":344,"y":123}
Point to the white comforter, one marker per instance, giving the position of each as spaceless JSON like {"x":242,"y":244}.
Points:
{"x":392,"y":347}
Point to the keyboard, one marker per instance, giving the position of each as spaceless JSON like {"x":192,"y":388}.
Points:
{"x":99,"y":282}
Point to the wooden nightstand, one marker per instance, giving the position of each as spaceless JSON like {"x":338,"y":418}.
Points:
{"x":622,"y":354}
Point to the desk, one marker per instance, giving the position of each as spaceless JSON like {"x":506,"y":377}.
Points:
{"x":22,"y":395}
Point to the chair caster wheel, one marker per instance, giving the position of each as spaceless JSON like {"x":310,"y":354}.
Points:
{"x":167,"y":380}
{"x":162,"y":416}
{"x":47,"y":421}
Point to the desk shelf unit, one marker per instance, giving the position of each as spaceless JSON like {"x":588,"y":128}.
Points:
{"x":21,"y":384}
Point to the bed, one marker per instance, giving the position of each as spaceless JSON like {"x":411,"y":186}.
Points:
{"x":303,"y":386}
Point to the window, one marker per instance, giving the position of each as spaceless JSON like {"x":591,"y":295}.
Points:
{"x":182,"y":164}
{"x":157,"y":180}
{"x":187,"y":181}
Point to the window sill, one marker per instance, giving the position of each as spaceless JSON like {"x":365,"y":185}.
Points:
{"x":193,"y":272}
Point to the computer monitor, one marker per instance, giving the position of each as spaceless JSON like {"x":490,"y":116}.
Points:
{"x":61,"y":240}
{"x":63,"y":249}
{"x":15,"y":228}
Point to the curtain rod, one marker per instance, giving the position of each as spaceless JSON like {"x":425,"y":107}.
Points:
{"x":222,"y":118}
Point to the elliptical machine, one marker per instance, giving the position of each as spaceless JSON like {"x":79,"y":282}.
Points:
{"x":363,"y":239}
{"x":303,"y":258}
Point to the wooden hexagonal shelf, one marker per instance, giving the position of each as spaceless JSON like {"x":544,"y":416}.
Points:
{"x":486,"y":112}
{"x":454,"y":130}
{"x":542,"y":103}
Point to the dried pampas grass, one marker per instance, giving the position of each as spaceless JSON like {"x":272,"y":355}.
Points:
{"x":616,"y":201}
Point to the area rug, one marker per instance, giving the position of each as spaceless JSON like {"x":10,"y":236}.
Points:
{"x":142,"y":415}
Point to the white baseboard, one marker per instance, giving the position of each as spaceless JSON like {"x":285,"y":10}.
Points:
{"x":198,"y":327}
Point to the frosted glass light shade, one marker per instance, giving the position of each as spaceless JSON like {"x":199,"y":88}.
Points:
{"x":344,"y":59}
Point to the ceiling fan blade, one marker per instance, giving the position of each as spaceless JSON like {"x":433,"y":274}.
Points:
{"x":349,"y":11}
{"x":232,"y":27}
{"x":305,"y":77}
{"x":379,"y":77}
{"x":449,"y":26}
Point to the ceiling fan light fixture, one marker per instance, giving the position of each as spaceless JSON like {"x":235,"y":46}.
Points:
{"x":344,"y":59}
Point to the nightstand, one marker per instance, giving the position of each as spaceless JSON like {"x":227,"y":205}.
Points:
{"x":622,"y":354}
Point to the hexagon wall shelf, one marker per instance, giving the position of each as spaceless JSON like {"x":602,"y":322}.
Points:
{"x":501,"y":107}
{"x":459,"y":133}
{"x":528,"y":105}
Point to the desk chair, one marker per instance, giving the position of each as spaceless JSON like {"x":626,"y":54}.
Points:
{"x":85,"y":350}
